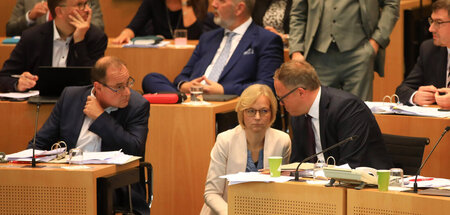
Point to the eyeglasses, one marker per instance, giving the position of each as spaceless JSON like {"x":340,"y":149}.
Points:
{"x":80,"y":6}
{"x":280,"y":99}
{"x":436,"y":22}
{"x":121,"y":89}
{"x":252,"y":112}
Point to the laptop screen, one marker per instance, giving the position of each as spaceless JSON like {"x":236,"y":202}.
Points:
{"x":53,"y":80}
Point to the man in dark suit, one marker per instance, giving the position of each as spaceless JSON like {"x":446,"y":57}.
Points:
{"x":69,"y":40}
{"x":105,"y":116}
{"x":28,"y":13}
{"x":229,"y":59}
{"x":431,"y":74}
{"x":323,"y":116}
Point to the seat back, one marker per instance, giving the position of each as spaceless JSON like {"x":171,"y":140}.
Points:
{"x":406,"y":152}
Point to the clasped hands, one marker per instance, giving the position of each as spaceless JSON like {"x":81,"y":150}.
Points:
{"x":211,"y":87}
{"x":427,"y":95}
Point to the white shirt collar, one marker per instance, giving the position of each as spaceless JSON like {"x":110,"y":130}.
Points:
{"x":108,"y":109}
{"x":241,"y":29}
{"x":314,"y":109}
{"x":56,"y":35}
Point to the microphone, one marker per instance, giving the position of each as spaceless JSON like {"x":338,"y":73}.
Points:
{"x":323,"y":151}
{"x":33,"y":159}
{"x":426,"y":159}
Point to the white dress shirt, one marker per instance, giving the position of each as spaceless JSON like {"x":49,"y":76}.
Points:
{"x":314,"y":113}
{"x":60,"y":49}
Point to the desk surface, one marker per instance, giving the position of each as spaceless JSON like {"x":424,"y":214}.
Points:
{"x":52,"y":189}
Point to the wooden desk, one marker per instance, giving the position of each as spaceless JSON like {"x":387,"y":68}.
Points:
{"x":415,"y":126}
{"x":372,"y":201}
{"x":17,"y":122}
{"x":285,"y":198}
{"x":178,"y":146}
{"x":52,"y":190}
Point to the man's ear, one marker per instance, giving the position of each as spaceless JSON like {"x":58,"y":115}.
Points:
{"x":240,"y":8}
{"x":301,"y":91}
{"x":58,"y":11}
{"x":97,"y":86}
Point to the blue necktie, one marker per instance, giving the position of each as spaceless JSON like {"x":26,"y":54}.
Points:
{"x":222,"y":60}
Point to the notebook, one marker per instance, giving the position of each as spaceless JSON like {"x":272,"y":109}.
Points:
{"x":53,"y":80}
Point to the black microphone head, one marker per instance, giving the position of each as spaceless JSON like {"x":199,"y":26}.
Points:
{"x":354,"y":137}
{"x":448,"y":128}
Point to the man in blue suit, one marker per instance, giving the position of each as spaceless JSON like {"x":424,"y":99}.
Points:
{"x":105,"y":116}
{"x":229,"y":59}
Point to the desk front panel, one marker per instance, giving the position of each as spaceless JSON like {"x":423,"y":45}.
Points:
{"x":415,"y":126}
{"x":372,"y":201}
{"x":285,"y":198}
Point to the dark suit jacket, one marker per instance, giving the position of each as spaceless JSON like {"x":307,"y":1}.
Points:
{"x":430,"y":69}
{"x":35,"y":49}
{"x":255,"y":59}
{"x":125,"y":128}
{"x":343,"y":115}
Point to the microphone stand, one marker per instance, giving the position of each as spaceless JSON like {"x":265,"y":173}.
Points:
{"x":426,"y":159}
{"x":33,"y":159}
{"x":323,"y":151}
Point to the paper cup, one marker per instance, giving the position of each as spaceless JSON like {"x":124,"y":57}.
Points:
{"x":383,"y":179}
{"x":275,"y":166}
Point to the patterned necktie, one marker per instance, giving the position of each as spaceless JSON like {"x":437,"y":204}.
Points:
{"x":310,"y":139}
{"x":222,"y":59}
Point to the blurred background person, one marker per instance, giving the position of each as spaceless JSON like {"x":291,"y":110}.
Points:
{"x":28,"y":13}
{"x":162,"y":17}
{"x":246,"y":147}
{"x":273,"y":15}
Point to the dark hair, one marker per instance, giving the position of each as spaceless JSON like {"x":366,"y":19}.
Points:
{"x":200,"y":8}
{"x":298,"y":74}
{"x":441,"y":4}
{"x":52,"y":4}
{"x":98,"y":73}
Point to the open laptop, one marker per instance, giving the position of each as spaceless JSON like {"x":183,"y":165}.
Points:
{"x":53,"y":80}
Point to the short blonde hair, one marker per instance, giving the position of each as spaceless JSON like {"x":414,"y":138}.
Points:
{"x":249,"y":97}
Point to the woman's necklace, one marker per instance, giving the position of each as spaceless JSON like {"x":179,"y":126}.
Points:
{"x":169,"y":22}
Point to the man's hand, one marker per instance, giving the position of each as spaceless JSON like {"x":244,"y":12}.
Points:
{"x":38,"y":10}
{"x":92,"y":109}
{"x":297,"y":56}
{"x":124,"y":37}
{"x":81,"y":24}
{"x":375,"y":45}
{"x":26,"y":81}
{"x":443,"y":100}
{"x":212,"y":87}
{"x":186,"y":86}
{"x":425,"y":95}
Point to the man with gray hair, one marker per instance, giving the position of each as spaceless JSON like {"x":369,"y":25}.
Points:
{"x":229,"y":59}
{"x":429,"y":81}
{"x":323,"y":116}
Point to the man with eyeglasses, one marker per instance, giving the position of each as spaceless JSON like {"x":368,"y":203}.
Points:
{"x":29,"y":13}
{"x":429,"y":81}
{"x":68,"y":40}
{"x":323,"y":116}
{"x":104,"y":116}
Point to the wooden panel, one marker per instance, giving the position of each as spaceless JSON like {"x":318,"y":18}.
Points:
{"x":179,"y":143}
{"x":117,"y":14}
{"x":414,"y":126}
{"x":372,"y":201}
{"x":285,"y":198}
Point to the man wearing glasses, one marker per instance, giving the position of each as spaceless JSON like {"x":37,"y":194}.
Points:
{"x":323,"y":116}
{"x":68,"y":40}
{"x":105,"y":116}
{"x":429,"y":81}
{"x":29,"y":13}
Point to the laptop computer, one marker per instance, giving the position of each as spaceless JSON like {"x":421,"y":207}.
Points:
{"x":53,"y":80}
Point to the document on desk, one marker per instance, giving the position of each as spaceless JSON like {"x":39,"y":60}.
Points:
{"x":17,"y":95}
{"x":392,"y":108}
{"x":28,"y":153}
{"x":111,"y":157}
{"x":243,"y":177}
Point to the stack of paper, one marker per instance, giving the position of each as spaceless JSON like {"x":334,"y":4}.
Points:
{"x":112,"y":157}
{"x":393,"y":108}
{"x":243,"y":177}
{"x":40,"y":155}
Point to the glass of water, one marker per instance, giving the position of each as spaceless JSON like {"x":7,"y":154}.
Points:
{"x":396,"y":177}
{"x":76,"y":156}
{"x":196,"y":94}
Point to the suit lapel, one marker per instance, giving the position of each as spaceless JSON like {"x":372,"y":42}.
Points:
{"x":442,"y":67}
{"x":323,"y":115}
{"x":243,"y":45}
{"x":47,"y":39}
{"x":211,"y":50}
{"x":79,"y":112}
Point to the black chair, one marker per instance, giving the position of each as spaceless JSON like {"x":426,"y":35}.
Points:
{"x":107,"y":185}
{"x":406,"y":152}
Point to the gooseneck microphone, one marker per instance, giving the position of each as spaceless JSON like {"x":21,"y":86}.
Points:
{"x":426,"y":159}
{"x":323,"y":151}
{"x":33,"y":159}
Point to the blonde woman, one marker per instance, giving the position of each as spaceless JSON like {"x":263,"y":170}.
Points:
{"x":246,"y":147}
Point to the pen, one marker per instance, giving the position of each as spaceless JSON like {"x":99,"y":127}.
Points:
{"x":422,"y":179}
{"x":15,"y":76}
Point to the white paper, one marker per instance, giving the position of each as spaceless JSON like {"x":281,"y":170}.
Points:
{"x":18,"y":95}
{"x":393,"y":108}
{"x":145,"y":45}
{"x":243,"y":177}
